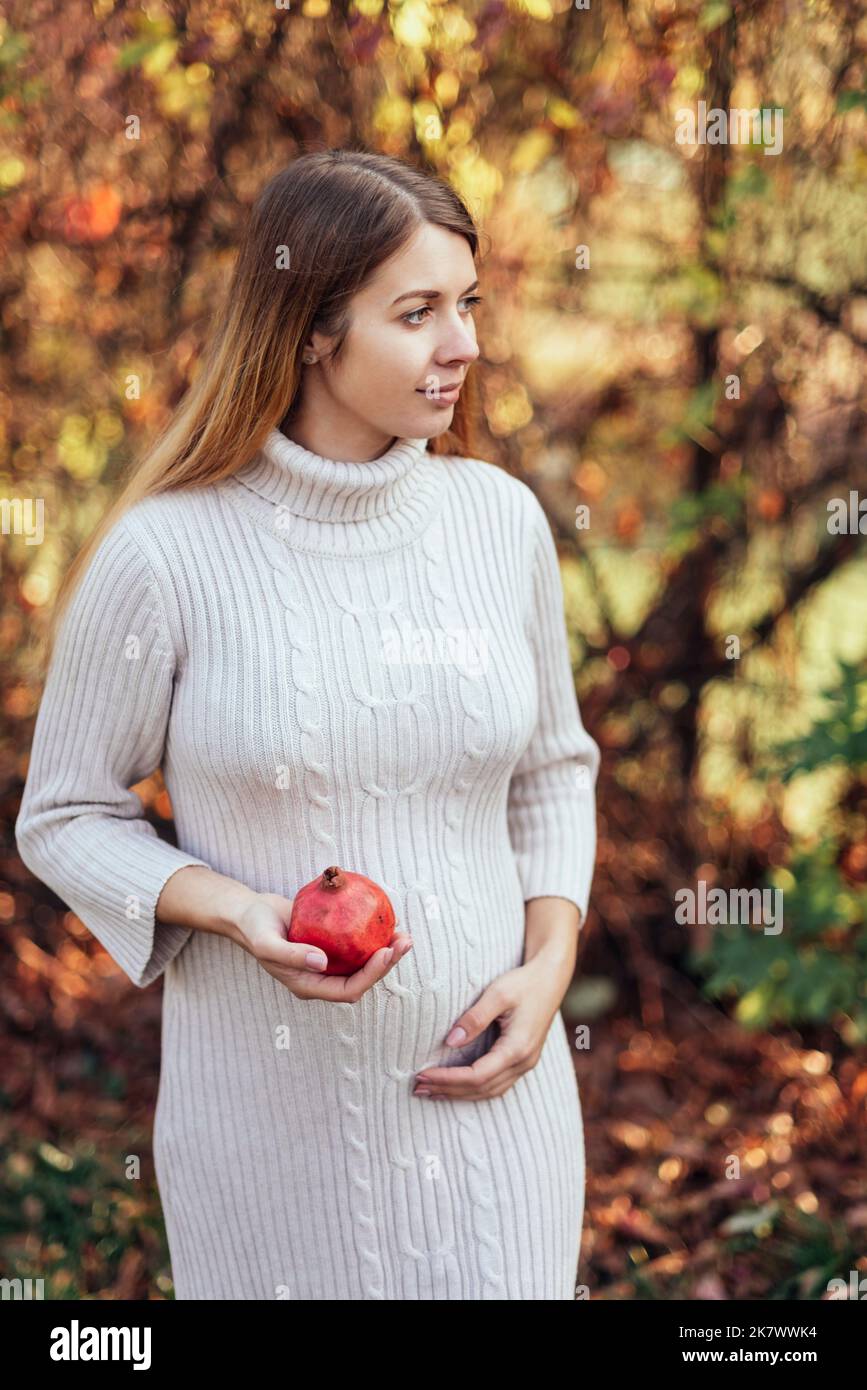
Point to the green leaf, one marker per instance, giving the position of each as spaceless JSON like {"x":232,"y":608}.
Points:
{"x":13,"y":48}
{"x":713,"y":14}
{"x":851,"y":100}
{"x":841,"y":736}
{"x":135,"y":52}
{"x":810,"y":972}
{"x":750,"y":182}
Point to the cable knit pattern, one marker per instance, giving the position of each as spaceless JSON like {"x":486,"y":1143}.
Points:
{"x":363,"y":664}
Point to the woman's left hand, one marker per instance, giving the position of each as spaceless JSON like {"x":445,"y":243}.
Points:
{"x":524,"y":1003}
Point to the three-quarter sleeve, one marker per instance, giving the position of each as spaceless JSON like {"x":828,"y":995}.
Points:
{"x":552,"y":802}
{"x":100,"y":729}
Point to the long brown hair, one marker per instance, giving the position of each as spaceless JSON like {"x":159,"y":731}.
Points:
{"x":338,"y":213}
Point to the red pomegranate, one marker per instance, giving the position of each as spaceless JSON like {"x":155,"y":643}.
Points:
{"x":346,"y":915}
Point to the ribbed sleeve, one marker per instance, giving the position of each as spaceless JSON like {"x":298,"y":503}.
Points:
{"x":551,"y":804}
{"x":100,"y":729}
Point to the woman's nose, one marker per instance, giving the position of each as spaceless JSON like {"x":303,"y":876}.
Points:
{"x":465,"y":349}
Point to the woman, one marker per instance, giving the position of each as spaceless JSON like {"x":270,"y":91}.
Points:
{"x":343,"y":648}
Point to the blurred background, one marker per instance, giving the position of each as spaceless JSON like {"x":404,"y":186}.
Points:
{"x":673,"y":347}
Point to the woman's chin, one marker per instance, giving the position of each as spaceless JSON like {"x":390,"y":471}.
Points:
{"x":432,"y":422}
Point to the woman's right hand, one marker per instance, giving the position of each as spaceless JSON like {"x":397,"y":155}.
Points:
{"x":261,"y":931}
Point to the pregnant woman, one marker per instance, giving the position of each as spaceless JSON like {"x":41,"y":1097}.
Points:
{"x":342,"y":639}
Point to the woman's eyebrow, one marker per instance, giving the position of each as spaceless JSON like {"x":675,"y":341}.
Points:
{"x":427,"y":294}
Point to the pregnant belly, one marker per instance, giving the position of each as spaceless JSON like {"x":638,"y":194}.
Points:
{"x":399,"y":1026}
{"x":420,"y":1001}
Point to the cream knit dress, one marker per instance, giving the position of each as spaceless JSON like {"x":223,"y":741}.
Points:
{"x":362,"y":664}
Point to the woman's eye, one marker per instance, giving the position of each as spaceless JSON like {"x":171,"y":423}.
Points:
{"x":426,"y":309}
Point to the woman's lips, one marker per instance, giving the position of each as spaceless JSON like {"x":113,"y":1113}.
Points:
{"x":444,"y":397}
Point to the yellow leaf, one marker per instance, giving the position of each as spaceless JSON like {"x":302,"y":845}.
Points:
{"x":530,"y":150}
{"x":562,"y":114}
{"x":12,"y":171}
{"x":411,"y":26}
{"x":160,"y":58}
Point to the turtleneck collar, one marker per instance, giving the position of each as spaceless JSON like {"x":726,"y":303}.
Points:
{"x":328,"y":505}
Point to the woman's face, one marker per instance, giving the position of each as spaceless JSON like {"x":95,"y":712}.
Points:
{"x":411,"y":337}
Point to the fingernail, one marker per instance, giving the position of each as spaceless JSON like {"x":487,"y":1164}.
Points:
{"x":422,"y":1080}
{"x":315,"y":961}
{"x":456,"y":1036}
{"x":388,"y":955}
{"x":422,"y":1091}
